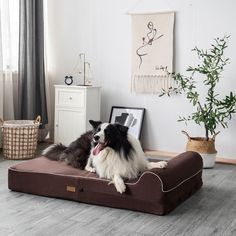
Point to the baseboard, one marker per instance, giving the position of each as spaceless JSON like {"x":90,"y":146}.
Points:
{"x":168,"y":155}
{"x":225,"y":160}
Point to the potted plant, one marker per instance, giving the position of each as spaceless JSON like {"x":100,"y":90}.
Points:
{"x":211,"y":110}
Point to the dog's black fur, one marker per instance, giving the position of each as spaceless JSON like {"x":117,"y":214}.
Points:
{"x":77,"y":153}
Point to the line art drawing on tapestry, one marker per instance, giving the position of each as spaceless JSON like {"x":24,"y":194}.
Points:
{"x":151,"y":36}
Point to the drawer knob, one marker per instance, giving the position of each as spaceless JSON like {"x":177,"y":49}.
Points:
{"x":57,"y":125}
{"x":70,"y":98}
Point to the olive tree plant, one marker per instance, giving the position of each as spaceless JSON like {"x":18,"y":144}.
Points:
{"x":210,"y":109}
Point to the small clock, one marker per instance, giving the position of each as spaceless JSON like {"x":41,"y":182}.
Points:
{"x":68,"y":80}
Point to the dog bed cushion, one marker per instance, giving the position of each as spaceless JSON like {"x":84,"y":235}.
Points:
{"x":156,"y":191}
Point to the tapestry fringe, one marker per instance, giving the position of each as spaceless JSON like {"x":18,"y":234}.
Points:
{"x":151,"y":83}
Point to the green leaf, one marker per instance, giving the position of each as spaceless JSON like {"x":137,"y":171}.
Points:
{"x":212,"y":111}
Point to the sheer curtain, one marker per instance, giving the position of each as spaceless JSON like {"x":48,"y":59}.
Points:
{"x":9,"y":35}
{"x":1,"y":72}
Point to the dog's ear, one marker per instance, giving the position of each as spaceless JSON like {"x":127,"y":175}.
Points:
{"x":123,"y":129}
{"x":95,"y":124}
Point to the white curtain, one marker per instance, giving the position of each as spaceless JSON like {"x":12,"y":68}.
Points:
{"x":1,"y":72}
{"x":9,"y":24}
{"x":9,"y":31}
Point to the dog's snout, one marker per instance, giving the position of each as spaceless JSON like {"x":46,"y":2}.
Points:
{"x":96,"y":138}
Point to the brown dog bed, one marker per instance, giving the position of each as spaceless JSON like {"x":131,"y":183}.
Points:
{"x":157,"y":191}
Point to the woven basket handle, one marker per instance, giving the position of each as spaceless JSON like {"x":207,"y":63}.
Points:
{"x":38,"y":120}
{"x":184,"y":132}
{"x":1,"y":121}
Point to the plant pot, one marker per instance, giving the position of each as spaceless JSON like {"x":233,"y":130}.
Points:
{"x":206,"y":148}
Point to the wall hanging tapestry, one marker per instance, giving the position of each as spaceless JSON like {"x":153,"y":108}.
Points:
{"x":152,"y":51}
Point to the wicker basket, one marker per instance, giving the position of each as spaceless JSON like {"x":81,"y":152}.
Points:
{"x":205,"y":147}
{"x":200,"y":145}
{"x":20,"y":138}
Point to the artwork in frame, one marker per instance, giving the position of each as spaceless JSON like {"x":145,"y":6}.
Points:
{"x":132,"y":117}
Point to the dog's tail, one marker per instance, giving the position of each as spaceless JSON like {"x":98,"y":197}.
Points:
{"x":54,"y":151}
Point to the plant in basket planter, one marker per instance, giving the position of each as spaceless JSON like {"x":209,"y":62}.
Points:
{"x":211,"y":110}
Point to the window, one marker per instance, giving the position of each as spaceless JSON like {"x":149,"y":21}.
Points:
{"x":9,"y":33}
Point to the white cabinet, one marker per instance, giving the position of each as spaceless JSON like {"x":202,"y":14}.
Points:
{"x":74,"y":107}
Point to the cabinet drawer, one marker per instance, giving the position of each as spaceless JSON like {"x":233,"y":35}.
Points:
{"x":70,"y":98}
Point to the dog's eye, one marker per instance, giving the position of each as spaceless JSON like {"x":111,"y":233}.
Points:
{"x":99,"y":129}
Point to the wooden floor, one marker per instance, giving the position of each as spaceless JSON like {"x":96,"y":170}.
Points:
{"x":211,"y":211}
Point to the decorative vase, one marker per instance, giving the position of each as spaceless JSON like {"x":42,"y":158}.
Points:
{"x":206,"y":148}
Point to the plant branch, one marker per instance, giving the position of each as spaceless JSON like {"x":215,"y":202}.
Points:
{"x":211,"y":111}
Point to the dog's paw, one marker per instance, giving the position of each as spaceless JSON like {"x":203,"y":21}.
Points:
{"x":120,"y":187}
{"x":90,"y":169}
{"x":119,"y":184}
{"x":161,"y":164}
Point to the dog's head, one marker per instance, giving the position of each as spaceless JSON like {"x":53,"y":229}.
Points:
{"x":108,"y":135}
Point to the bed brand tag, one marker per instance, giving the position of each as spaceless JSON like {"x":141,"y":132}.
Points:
{"x":70,"y":188}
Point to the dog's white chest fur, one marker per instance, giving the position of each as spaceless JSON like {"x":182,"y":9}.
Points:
{"x":113,"y":165}
{"x":108,"y":163}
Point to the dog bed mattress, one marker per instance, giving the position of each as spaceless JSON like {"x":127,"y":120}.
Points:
{"x":156,"y":191}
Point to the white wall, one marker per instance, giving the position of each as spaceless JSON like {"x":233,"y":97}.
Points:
{"x":102,"y":30}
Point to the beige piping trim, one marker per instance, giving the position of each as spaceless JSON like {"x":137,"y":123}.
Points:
{"x":162,"y":185}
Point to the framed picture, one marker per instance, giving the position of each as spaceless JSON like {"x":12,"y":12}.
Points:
{"x":131,"y":117}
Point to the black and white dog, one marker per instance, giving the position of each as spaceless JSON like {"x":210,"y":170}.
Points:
{"x":109,"y":150}
{"x":118,"y":155}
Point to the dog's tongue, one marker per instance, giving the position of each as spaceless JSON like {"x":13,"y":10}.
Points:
{"x":97,"y":149}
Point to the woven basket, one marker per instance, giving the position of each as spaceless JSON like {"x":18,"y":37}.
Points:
{"x":20,"y":138}
{"x":199,"y":144}
{"x":205,"y":147}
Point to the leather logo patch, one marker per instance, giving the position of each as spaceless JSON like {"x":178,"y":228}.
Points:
{"x":70,"y":188}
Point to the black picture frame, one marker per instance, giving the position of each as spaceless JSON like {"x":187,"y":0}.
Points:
{"x":131,"y":117}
